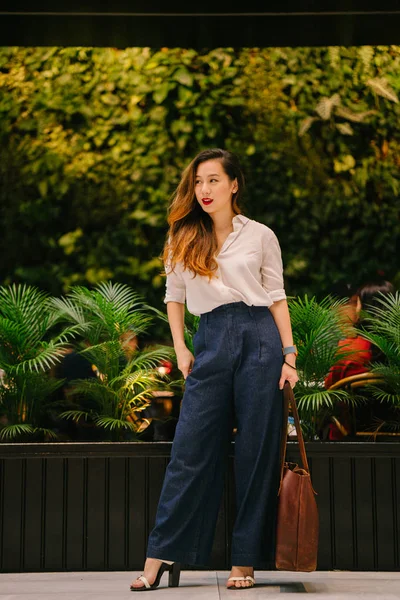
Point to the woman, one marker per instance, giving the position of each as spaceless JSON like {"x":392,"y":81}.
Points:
{"x":228,"y":268}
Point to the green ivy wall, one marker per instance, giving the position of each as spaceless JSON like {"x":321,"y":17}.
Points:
{"x":92,"y":142}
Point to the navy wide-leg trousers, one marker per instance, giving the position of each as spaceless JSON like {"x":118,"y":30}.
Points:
{"x":237,"y":366}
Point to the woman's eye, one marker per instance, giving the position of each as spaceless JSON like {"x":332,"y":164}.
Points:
{"x":213,"y":180}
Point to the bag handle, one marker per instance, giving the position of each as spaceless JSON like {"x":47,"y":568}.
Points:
{"x":288,"y":397}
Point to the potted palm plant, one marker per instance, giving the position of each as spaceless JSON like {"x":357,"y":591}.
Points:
{"x":113,"y":316}
{"x":317,"y":328}
{"x":31,"y":342}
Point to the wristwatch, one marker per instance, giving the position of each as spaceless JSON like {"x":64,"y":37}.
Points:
{"x":290,"y":350}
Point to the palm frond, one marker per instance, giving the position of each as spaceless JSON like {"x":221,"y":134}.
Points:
{"x":149,"y":358}
{"x":163,"y":316}
{"x":141,"y":400}
{"x":49,"y":355}
{"x":384,"y":396}
{"x":316,"y":332}
{"x":75,"y":415}
{"x":120,"y":295}
{"x":20,"y":339}
{"x":110,"y":310}
{"x":19,"y":301}
{"x":97,"y":390}
{"x":138,"y":322}
{"x":389,"y":348}
{"x":113,"y":424}
{"x":314,"y":400}
{"x":26,"y":306}
{"x":12,"y":432}
{"x":384,"y":317}
{"x":12,"y":340}
{"x":36,"y":389}
{"x":64,"y":309}
{"x":389,"y":389}
{"x":191,"y":323}
{"x":68,"y":333}
{"x":390,"y":373}
{"x":144,"y":379}
{"x":47,"y":433}
{"x":108,"y":348}
{"x":390,"y":425}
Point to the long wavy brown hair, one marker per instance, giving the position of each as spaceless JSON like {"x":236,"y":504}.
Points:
{"x":191,"y":238}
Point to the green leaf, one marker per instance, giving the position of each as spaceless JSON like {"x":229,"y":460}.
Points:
{"x":345,"y":128}
{"x":344,"y":164}
{"x":325,"y":106}
{"x":43,"y":187}
{"x":110,"y":99}
{"x":160,"y":94}
{"x":381,"y":87}
{"x":183,"y":76}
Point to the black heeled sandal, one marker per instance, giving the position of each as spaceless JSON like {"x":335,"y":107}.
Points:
{"x":174,"y":570}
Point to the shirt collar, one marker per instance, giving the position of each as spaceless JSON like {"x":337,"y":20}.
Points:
{"x":240,"y":219}
{"x":238,"y":222}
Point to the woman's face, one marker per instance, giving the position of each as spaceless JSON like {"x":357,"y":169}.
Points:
{"x":213,"y":188}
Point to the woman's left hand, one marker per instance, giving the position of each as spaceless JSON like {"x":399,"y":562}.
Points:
{"x":288,"y":374}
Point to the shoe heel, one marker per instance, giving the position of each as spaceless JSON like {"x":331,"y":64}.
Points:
{"x":174,"y":575}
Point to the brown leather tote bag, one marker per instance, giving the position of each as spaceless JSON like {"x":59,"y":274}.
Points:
{"x":297,"y":520}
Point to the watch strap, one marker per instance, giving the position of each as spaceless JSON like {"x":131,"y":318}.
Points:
{"x":289,"y":350}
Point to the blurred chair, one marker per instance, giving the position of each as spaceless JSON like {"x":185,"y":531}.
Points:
{"x":354,"y":382}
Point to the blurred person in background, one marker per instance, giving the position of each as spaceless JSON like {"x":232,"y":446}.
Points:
{"x":360,"y":298}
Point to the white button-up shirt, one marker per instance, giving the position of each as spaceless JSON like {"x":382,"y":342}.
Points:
{"x":249,"y":269}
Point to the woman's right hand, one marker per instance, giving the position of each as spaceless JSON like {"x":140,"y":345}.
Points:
{"x":185,"y":360}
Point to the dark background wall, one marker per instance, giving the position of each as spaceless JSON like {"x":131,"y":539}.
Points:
{"x":205,"y":25}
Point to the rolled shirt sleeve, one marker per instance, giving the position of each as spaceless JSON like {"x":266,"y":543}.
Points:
{"x":175,"y":288}
{"x":272,"y":267}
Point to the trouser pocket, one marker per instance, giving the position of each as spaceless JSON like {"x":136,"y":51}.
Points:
{"x":269,"y":339}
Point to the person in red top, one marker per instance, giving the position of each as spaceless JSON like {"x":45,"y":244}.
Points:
{"x":362,"y":351}
{"x":355,"y":363}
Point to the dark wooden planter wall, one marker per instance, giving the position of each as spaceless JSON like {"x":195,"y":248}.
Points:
{"x":90,"y":506}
